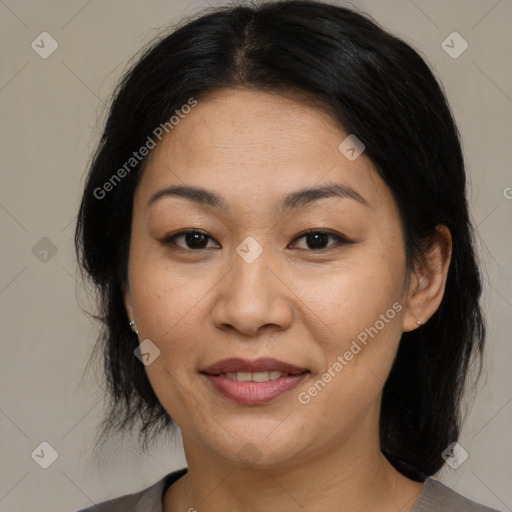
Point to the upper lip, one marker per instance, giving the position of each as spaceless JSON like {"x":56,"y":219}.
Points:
{"x":235,"y":364}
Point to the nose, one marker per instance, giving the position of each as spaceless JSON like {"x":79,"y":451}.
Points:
{"x":252,"y":298}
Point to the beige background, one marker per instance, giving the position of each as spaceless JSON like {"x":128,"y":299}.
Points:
{"x":51,"y":118}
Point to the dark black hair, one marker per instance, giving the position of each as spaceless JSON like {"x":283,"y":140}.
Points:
{"x":379,"y":89}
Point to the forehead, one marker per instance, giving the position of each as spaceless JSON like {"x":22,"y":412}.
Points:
{"x":246,"y":143}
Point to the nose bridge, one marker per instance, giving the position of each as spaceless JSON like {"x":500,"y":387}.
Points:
{"x":250,"y":274}
{"x":252,"y":295}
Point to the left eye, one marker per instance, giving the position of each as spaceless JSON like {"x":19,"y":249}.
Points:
{"x":317,"y":240}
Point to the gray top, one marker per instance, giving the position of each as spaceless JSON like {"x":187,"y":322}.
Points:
{"x":435,"y":497}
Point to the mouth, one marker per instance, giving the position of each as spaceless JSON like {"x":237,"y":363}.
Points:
{"x":253,"y":382}
{"x":253,"y":376}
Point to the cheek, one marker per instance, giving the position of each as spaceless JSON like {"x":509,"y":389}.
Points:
{"x":357,"y":356}
{"x":167,"y":304}
{"x":352,"y":293}
{"x":358,"y":314}
{"x":164,"y":296}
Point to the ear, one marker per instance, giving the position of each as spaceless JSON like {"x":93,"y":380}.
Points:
{"x":428,"y":280}
{"x":128,"y":302}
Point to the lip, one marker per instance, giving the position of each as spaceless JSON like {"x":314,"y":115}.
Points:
{"x":265,"y":364}
{"x":254,"y":393}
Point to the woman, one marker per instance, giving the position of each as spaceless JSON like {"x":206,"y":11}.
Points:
{"x":276,"y":221}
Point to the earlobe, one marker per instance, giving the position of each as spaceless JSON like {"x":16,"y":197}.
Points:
{"x":417,"y":282}
{"x":428,"y":280}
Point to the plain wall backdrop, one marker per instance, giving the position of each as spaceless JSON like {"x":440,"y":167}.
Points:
{"x":51,"y":118}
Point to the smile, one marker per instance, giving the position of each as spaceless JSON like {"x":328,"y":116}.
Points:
{"x":253,"y":382}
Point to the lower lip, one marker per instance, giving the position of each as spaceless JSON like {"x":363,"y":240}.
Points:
{"x":253,"y":393}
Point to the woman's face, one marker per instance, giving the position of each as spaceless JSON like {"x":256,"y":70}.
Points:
{"x":254,"y":288}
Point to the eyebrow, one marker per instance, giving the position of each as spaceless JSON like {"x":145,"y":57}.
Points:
{"x":292,"y":201}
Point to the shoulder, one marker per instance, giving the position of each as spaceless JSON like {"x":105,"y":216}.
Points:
{"x":437,"y":497}
{"x":147,"y":500}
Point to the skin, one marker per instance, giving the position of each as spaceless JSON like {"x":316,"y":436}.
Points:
{"x":292,"y":303}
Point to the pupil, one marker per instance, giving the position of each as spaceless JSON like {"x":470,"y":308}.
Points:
{"x":196,"y":240}
{"x":319,"y":239}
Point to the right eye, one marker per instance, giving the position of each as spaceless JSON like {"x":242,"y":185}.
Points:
{"x":193,"y":239}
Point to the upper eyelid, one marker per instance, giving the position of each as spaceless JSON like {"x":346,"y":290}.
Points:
{"x":169,"y":238}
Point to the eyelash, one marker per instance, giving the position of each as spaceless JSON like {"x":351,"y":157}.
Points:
{"x":340,"y":240}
